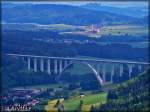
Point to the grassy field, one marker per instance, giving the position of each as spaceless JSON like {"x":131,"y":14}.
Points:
{"x":115,"y":30}
{"x":73,"y":30}
{"x":73,"y":104}
{"x":51,"y":105}
{"x":124,"y":29}
{"x":93,"y":99}
{"x":61,"y":27}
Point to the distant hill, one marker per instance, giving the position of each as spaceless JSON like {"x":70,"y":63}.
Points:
{"x":59,"y":14}
{"x":132,"y":95}
{"x":128,"y":11}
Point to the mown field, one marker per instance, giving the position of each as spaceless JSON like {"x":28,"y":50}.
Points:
{"x":73,"y":104}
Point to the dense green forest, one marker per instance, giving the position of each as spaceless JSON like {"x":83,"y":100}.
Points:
{"x":22,"y":42}
{"x":16,"y":74}
{"x":132,"y":95}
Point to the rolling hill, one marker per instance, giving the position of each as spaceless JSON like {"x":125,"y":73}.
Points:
{"x":128,"y":11}
{"x":59,"y":14}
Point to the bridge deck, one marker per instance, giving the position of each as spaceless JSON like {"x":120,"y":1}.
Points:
{"x":83,"y":59}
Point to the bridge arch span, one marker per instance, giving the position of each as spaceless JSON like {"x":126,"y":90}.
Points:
{"x":96,"y":73}
{"x":61,"y":64}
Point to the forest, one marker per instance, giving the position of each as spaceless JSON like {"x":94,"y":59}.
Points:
{"x":130,"y":95}
{"x":22,"y":42}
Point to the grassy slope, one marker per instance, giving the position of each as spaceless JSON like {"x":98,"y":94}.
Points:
{"x":73,"y":104}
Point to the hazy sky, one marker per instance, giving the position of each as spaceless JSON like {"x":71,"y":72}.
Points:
{"x":115,"y":3}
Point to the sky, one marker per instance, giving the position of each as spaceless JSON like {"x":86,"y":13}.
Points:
{"x":114,"y":4}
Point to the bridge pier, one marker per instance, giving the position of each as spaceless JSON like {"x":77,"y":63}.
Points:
{"x":60,"y":66}
{"x":35,"y":65}
{"x":112,"y":72}
{"x":42,"y":65}
{"x":55,"y":66}
{"x":139,"y":68}
{"x":104,"y":72}
{"x":121,"y":70}
{"x":29,"y":63}
{"x":130,"y":66}
{"x":48,"y":67}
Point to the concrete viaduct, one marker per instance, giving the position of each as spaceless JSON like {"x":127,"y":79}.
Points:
{"x":60,"y":64}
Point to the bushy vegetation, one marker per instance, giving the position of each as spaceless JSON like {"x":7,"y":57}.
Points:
{"x":132,"y":95}
{"x":15,"y":74}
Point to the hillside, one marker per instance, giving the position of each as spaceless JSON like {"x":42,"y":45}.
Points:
{"x":131,"y":95}
{"x":51,"y":14}
{"x":128,"y":11}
